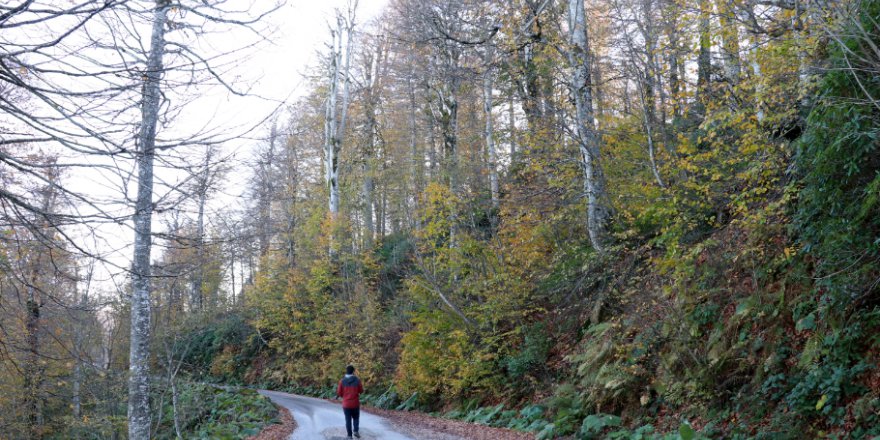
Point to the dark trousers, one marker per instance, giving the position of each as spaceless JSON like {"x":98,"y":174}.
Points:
{"x":351,"y":414}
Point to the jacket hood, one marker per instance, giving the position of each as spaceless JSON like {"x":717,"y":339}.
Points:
{"x":350,"y":380}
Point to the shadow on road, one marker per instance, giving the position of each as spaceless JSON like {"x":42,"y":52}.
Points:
{"x":335,"y":434}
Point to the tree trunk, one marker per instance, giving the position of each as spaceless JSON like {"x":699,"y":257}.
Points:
{"x":139,"y":356}
{"x":336,"y":117}
{"x":800,"y":42}
{"x":531,"y":89}
{"x":199,"y":273}
{"x":588,"y":139}
{"x":447,"y":116}
{"x":704,"y":58}
{"x":32,"y":373}
{"x":675,"y":89}
{"x":77,"y":384}
{"x":729,"y":40}
{"x":331,"y":139}
{"x":292,"y":194}
{"x":649,"y":135}
{"x":34,"y":369}
{"x":232,"y":269}
{"x":432,"y":153}
{"x":490,"y":137}
{"x":267,"y":192}
{"x":175,"y":405}
{"x":648,"y":94}
{"x":511,"y":122}
{"x":381,"y":214}
{"x":755,"y":64}
{"x":369,"y":152}
{"x":78,"y":349}
{"x":368,"y":187}
{"x":417,"y":157}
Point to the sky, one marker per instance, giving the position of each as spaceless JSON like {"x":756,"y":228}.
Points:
{"x":301,"y":31}
{"x":274,"y":73}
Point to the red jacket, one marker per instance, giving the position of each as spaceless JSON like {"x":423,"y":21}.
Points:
{"x":349,"y":389}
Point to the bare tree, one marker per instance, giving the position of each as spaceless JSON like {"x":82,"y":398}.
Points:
{"x":336,"y":110}
{"x":139,"y":373}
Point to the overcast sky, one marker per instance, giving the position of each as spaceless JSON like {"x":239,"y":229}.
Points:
{"x":275,"y":74}
{"x":301,"y":28}
{"x":278,"y":71}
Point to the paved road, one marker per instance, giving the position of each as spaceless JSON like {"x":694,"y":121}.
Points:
{"x":318,"y":419}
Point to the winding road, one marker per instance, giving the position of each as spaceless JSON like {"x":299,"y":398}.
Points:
{"x":318,"y":419}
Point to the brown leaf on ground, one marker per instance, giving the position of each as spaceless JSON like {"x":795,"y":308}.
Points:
{"x":425,"y":427}
{"x":278,"y":431}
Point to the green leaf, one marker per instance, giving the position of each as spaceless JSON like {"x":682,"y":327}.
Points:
{"x":821,"y":403}
{"x":806,"y":323}
{"x":686,"y":432}
{"x":547,"y":433}
{"x":595,"y":423}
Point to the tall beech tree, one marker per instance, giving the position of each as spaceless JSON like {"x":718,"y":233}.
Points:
{"x":589,"y":141}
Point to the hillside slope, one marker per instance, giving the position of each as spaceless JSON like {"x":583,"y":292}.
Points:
{"x":739,"y":299}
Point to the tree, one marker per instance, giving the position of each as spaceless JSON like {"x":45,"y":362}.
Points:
{"x":139,"y":376}
{"x":491,"y":151}
{"x":579,"y":58}
{"x":374,"y":67}
{"x":154,"y":79}
{"x":341,"y":47}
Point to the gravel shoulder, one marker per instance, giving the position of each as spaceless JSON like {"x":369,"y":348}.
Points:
{"x":425,"y":427}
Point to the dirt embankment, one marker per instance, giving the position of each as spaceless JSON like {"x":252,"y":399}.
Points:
{"x":278,"y":431}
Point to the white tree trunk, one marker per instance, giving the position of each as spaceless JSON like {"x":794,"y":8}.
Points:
{"x":139,"y":356}
{"x":331,"y":166}
{"x":588,"y":138}
{"x":511,"y":122}
{"x":649,"y":134}
{"x":336,"y":114}
{"x":759,"y":85}
{"x":417,"y":157}
{"x":174,"y":407}
{"x":490,"y":137}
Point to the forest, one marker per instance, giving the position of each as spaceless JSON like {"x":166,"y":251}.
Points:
{"x":578,"y":219}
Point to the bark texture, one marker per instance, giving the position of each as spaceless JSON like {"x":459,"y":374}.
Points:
{"x":139,"y":355}
{"x":588,"y":138}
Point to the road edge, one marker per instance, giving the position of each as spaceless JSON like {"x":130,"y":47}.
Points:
{"x":278,"y":431}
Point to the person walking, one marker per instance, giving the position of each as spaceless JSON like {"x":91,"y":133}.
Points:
{"x":350,"y":389}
